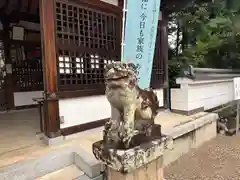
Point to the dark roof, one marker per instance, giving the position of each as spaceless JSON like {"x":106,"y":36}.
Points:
{"x":201,"y":74}
{"x":28,"y":10}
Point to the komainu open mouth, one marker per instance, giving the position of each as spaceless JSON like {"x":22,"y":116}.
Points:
{"x":116,"y":78}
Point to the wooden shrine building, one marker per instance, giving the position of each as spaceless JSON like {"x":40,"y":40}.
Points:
{"x":57,"y":50}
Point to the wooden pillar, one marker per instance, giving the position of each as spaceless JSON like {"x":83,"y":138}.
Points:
{"x":9,"y":87}
{"x":49,"y":59}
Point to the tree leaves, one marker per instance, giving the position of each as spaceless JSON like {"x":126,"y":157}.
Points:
{"x":209,"y":29}
{"x":209,"y":35}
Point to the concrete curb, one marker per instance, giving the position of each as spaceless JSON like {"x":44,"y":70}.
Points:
{"x":192,"y":125}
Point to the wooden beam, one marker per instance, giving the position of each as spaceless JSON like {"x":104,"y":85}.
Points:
{"x":49,"y":58}
{"x":100,"y":5}
{"x":83,"y":127}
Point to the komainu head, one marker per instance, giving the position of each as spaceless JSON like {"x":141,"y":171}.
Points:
{"x":120,"y":73}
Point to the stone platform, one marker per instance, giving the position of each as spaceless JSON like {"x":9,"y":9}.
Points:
{"x":126,"y":161}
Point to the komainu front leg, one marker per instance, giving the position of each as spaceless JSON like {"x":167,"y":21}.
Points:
{"x":110,"y":134}
{"x":106,"y":131}
{"x":127,"y":130}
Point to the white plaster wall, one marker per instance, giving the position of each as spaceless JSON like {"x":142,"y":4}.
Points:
{"x":179,"y":98}
{"x":159,"y":93}
{"x":211,"y":95}
{"x":83,"y":110}
{"x":196,"y":94}
{"x":113,"y":2}
{"x":25,"y":98}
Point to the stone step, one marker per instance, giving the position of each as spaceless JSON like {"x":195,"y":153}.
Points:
{"x":73,"y":162}
{"x":85,"y":177}
{"x":32,"y":168}
{"x":68,"y":173}
{"x":89,"y":165}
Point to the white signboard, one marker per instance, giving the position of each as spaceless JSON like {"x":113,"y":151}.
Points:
{"x":18,"y":33}
{"x":236,"y":82}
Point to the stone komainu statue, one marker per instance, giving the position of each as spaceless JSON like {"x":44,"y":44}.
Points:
{"x":136,"y":107}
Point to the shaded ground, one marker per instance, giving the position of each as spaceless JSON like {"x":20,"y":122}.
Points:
{"x":218,"y":159}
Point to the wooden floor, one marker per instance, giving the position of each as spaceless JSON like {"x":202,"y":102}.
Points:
{"x":18,"y":129}
{"x":69,"y":172}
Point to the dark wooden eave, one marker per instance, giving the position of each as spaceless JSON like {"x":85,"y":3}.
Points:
{"x":28,"y":10}
{"x":15,"y":10}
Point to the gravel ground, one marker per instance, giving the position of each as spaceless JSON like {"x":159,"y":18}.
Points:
{"x":218,"y":159}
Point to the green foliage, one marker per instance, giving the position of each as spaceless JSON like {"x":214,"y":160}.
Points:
{"x":210,"y":35}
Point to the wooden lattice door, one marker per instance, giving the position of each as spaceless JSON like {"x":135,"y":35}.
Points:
{"x":88,"y":38}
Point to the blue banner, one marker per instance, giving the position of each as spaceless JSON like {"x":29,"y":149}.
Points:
{"x":140,"y":36}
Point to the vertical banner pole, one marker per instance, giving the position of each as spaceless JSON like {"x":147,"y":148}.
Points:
{"x":236,"y":85}
{"x":237,"y":120}
{"x":123,"y":28}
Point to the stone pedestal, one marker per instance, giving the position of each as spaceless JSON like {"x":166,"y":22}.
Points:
{"x":150,"y":171}
{"x":143,"y":162}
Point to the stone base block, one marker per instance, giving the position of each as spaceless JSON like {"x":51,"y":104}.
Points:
{"x":128,"y":160}
{"x":150,"y":171}
{"x":52,"y":141}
